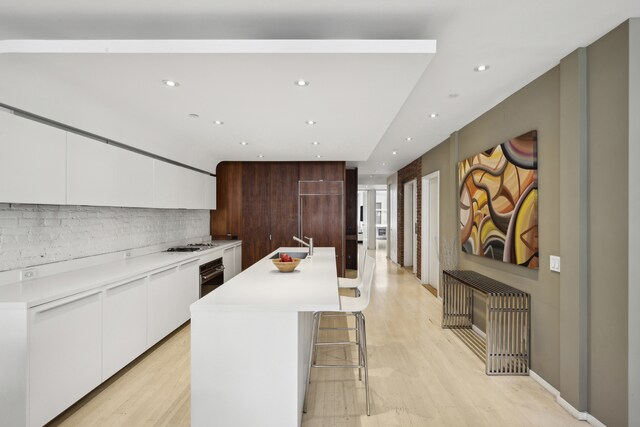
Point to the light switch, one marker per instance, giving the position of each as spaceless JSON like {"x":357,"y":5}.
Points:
{"x":554,"y":263}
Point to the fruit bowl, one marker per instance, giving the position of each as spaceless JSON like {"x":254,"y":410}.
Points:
{"x":286,"y":267}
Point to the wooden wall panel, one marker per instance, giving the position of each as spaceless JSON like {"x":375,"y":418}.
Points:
{"x":256,"y":206}
{"x":259,"y":199}
{"x":284,"y":203}
{"x":322,"y":171}
{"x":322,"y":220}
{"x":226,"y":219}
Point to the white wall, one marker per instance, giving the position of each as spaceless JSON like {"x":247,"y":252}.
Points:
{"x":40,"y":234}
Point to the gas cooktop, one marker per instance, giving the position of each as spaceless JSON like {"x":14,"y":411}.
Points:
{"x":193,"y":247}
{"x":185,"y":249}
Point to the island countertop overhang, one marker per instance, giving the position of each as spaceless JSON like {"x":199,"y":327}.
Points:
{"x":261,"y":287}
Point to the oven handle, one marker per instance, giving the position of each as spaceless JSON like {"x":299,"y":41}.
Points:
{"x":216,"y":273}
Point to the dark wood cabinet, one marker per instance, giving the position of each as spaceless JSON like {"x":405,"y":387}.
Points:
{"x":256,"y":212}
{"x":322,"y":171}
{"x":284,"y":203}
{"x":227,"y":218}
{"x":258,"y":202}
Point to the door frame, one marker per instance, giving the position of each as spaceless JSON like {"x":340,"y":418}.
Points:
{"x":429,"y":250}
{"x":409,"y":227}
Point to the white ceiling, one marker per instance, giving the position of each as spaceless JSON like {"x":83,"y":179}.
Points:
{"x":365,"y":104}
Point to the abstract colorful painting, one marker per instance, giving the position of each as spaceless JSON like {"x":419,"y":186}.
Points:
{"x":499,"y":202}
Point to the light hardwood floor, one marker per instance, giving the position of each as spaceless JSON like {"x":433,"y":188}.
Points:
{"x":420,"y":375}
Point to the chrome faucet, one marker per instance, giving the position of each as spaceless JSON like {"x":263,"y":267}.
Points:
{"x":309,"y":245}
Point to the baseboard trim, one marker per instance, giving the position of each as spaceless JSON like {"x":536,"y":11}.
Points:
{"x":551,"y":389}
{"x":579,"y":415}
{"x":478,"y":331}
{"x":594,"y":421}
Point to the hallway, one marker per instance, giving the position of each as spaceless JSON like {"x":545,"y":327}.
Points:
{"x":420,"y":374}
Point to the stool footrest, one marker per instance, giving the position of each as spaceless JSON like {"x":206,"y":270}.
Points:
{"x":338,"y":366}
{"x":338,"y":343}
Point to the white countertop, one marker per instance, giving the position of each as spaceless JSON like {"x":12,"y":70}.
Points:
{"x":313,"y":286}
{"x":32,"y":292}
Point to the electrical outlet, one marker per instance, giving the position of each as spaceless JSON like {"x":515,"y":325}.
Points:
{"x":29,"y":274}
{"x":554,"y":263}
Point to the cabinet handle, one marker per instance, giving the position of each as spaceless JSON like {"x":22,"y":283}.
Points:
{"x":163,"y":270}
{"x":190,"y":262}
{"x":125,"y":283}
{"x":56,"y":304}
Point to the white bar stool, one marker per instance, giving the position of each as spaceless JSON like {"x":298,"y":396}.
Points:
{"x":349,"y":306}
{"x":344,"y":283}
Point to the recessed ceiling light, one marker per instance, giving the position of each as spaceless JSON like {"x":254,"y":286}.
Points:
{"x":453,"y":95}
{"x":170,"y":83}
{"x":481,"y":68}
{"x":318,"y":156}
{"x":394,"y":152}
{"x":301,"y":83}
{"x":433,"y":115}
{"x":384,"y":164}
{"x":244,"y":143}
{"x":315,"y":143}
{"x":260,"y":155}
{"x":194,"y":115}
{"x":409,"y":138}
{"x":311,"y":122}
{"x":218,"y":122}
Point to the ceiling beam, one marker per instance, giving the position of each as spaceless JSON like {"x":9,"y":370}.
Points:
{"x":218,"y":46}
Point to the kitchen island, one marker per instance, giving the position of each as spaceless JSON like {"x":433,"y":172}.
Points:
{"x":250,"y":342}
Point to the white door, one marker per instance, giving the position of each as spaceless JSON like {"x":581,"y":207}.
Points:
{"x":430,"y":230}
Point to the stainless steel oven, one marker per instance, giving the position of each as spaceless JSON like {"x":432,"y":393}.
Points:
{"x":211,"y":276}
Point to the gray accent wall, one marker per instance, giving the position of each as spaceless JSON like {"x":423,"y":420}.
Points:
{"x":585,"y":337}
{"x":608,"y":87}
{"x":574,"y":289}
{"x":634,"y":226}
{"x":534,"y":107}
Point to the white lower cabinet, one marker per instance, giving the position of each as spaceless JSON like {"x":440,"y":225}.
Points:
{"x":232,"y":260}
{"x":162,"y":304}
{"x":238,"y":260}
{"x":65,"y":354}
{"x":124,"y":329}
{"x":59,"y":351}
{"x":188,"y":287}
{"x":229,"y":260}
{"x":171,"y":292}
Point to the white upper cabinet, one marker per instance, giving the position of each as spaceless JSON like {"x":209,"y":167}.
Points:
{"x":104,"y":175}
{"x":42,"y":164}
{"x":210,"y":192}
{"x":166,"y":184}
{"x":192,"y":187}
{"x":32,"y":162}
